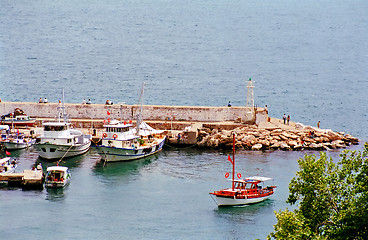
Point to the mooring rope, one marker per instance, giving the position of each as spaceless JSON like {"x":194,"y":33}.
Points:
{"x":64,"y":154}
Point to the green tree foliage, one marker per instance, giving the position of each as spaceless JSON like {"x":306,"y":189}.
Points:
{"x":332,"y":199}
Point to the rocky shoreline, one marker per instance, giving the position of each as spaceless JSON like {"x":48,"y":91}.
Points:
{"x":251,"y":137}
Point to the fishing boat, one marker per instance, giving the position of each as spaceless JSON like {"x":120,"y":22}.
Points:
{"x":17,"y":141}
{"x":124,"y":142}
{"x":245,"y":191}
{"x":17,"y":120}
{"x":60,"y":140}
{"x":57,"y":177}
{"x":8,"y":165}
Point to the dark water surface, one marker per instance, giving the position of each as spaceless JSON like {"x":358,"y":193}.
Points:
{"x":308,"y":59}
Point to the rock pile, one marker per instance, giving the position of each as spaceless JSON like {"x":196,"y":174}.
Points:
{"x":252,"y":138}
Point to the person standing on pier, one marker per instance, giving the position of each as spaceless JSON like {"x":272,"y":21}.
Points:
{"x":318,"y":123}
{"x":284,"y":118}
{"x":288,"y":119}
{"x":229,"y":104}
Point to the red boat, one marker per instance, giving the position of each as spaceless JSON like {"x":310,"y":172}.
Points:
{"x":243,"y":191}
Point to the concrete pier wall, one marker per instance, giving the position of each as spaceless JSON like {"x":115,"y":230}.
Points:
{"x":127,"y":112}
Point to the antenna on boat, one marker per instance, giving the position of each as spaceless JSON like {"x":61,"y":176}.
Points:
{"x":62,"y":111}
{"x":139,"y":115}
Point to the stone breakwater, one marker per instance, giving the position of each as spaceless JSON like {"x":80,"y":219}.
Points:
{"x":252,"y":137}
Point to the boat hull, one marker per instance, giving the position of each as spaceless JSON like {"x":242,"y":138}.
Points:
{"x":56,"y":184}
{"x":114,"y":154}
{"x":230,"y":201}
{"x":27,"y":123}
{"x":55,"y":151}
{"x":14,"y":145}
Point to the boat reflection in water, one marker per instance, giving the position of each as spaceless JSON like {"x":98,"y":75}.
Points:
{"x":118,"y":170}
{"x":55,"y":194}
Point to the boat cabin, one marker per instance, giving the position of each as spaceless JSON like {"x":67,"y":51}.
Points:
{"x":247,"y":185}
{"x":250,"y":183}
{"x":119,"y":131}
{"x":56,"y":129}
{"x":57,"y":173}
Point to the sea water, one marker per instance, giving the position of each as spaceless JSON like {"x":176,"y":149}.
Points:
{"x":308,"y":60}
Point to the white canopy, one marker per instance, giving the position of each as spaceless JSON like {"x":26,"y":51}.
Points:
{"x":258,"y":178}
{"x":57,"y":168}
{"x":145,"y":129}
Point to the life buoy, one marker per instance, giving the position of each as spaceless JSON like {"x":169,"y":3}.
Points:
{"x":227,"y":175}
{"x":239,"y":175}
{"x":104,"y":135}
{"x":114,"y":136}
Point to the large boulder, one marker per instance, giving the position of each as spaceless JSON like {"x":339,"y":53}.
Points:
{"x":257,"y":147}
{"x":284,"y":146}
{"x":292,"y":143}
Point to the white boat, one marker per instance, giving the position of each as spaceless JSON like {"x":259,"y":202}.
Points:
{"x":17,"y":141}
{"x":20,"y":120}
{"x":7,"y":165}
{"x":120,"y":142}
{"x":57,"y":176}
{"x":123,"y":142}
{"x":59,"y":140}
{"x":243,"y":191}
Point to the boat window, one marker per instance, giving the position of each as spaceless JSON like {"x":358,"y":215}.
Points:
{"x":43,"y":149}
{"x":54,"y":128}
{"x":52,"y":149}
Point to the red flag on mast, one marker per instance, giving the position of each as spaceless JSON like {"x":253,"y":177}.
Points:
{"x":7,"y":153}
{"x":108,"y":113}
{"x":229,"y":159}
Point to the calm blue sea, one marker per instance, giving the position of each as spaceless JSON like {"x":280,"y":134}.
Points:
{"x":308,"y":60}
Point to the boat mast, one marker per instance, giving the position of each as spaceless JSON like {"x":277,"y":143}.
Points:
{"x":139,"y":115}
{"x":62,"y":109}
{"x":233,"y":161}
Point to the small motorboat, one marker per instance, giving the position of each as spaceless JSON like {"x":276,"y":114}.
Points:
{"x":17,"y":141}
{"x":8,"y":165}
{"x":57,"y":177}
{"x":243,"y":191}
{"x":20,"y":120}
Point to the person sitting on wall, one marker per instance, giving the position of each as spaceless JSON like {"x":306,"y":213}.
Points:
{"x":229,"y":104}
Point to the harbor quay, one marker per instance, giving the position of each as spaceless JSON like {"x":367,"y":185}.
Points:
{"x":197,"y":126}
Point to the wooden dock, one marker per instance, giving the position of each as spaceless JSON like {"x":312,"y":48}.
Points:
{"x":28,"y":179}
